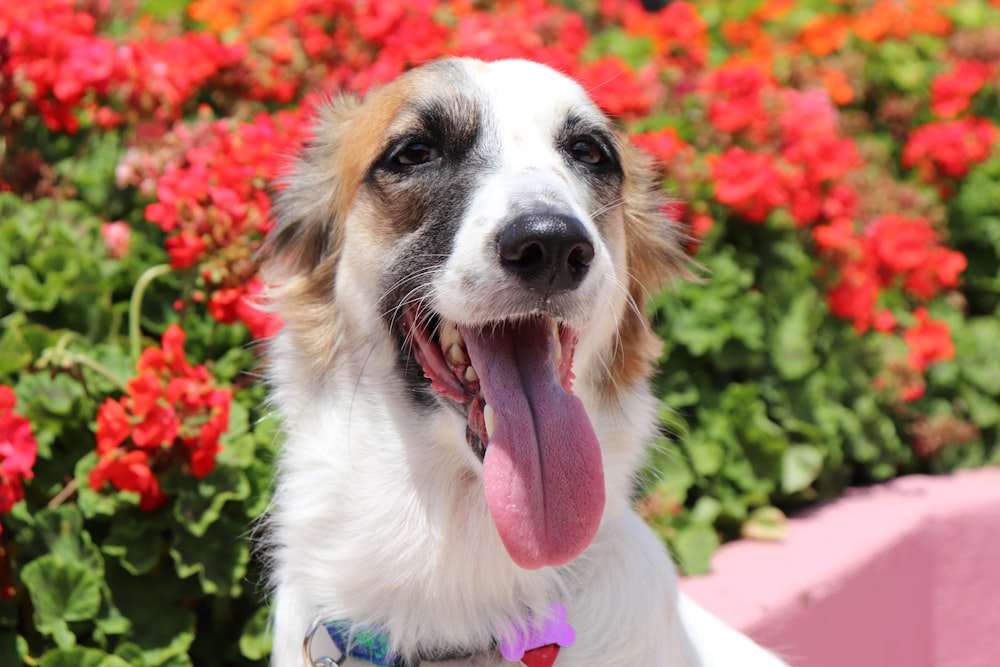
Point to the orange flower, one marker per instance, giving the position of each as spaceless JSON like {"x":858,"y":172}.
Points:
{"x":879,"y":21}
{"x":838,"y":87}
{"x":825,"y":34}
{"x":218,"y":15}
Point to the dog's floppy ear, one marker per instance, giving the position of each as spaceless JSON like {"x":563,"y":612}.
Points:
{"x":310,"y":201}
{"x":300,"y":256}
{"x":655,"y":253}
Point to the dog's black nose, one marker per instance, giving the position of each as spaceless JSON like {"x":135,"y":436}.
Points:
{"x":549,"y":252}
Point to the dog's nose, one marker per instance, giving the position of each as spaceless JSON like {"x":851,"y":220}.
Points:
{"x":549,"y":252}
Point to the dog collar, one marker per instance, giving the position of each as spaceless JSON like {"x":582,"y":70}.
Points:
{"x":536,"y":646}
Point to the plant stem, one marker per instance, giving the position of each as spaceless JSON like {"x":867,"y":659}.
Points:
{"x":99,"y":368}
{"x":64,"y":495}
{"x":135,"y":307}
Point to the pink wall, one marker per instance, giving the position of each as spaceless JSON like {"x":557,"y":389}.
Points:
{"x":904,"y":574}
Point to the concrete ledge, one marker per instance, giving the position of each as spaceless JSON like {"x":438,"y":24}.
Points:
{"x":905,"y":573}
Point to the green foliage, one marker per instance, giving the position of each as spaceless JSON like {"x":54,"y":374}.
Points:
{"x":770,"y":402}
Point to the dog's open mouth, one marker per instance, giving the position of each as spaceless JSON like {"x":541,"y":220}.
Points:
{"x":542,"y":469}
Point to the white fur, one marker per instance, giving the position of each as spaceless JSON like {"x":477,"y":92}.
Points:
{"x":379,"y":515}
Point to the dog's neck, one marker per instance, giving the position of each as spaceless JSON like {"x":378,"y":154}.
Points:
{"x":413,"y":503}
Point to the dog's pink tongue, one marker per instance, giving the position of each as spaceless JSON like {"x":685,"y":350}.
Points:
{"x":543,"y":473}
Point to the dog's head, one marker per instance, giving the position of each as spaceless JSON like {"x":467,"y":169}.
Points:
{"x":486,"y":229}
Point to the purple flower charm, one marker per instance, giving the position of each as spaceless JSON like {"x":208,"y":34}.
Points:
{"x":553,"y":630}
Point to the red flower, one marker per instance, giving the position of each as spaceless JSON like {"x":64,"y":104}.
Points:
{"x":185,"y":249}
{"x":749,"y":183}
{"x":172,"y":412}
{"x":664,"y":144}
{"x":838,"y":235}
{"x":855,"y":296}
{"x":18,"y":451}
{"x":948,"y":149}
{"x":735,"y":94}
{"x":113,"y":425}
{"x":158,"y":428}
{"x":909,"y":248}
{"x":952,"y":92}
{"x":129,"y":471}
{"x":929,"y":341}
{"x":616,"y":88}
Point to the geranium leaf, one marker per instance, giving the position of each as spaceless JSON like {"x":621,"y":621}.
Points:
{"x":137,"y":546}
{"x":765,"y":523}
{"x":255,"y":642}
{"x":81,"y":657}
{"x":219,"y":557}
{"x":61,"y":592}
{"x":800,"y":466}
{"x":199,"y":505}
{"x":693,"y":546}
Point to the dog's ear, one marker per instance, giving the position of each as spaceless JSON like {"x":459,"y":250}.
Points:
{"x":310,"y":200}
{"x":655,"y":253}
{"x":300,"y":256}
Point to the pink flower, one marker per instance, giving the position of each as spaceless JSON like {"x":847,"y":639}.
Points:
{"x":117,"y":236}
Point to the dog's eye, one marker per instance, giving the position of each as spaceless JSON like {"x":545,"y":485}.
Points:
{"x":415,"y":153}
{"x":588,"y":151}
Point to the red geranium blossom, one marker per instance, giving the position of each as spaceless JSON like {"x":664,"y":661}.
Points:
{"x":171,"y":412}
{"x":948,"y":149}
{"x":18,"y":450}
{"x":952,"y":92}
{"x":929,"y":341}
{"x":748,"y":182}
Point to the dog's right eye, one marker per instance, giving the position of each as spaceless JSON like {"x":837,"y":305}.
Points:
{"x":414,"y":154}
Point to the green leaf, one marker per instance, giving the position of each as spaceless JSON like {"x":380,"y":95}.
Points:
{"x":200,"y":506}
{"x":161,"y":629}
{"x":765,"y":523}
{"x":15,"y":353}
{"x":793,"y":343}
{"x":634,"y":51}
{"x":977,"y":342}
{"x":219,"y":558}
{"x":137,"y":546}
{"x":800,"y":466}
{"x":62,"y":532}
{"x":694,"y":546}
{"x":61,"y":592}
{"x":80,"y":657}
{"x":706,"y":455}
{"x":255,"y":642}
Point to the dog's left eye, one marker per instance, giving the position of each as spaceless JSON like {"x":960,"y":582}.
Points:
{"x":415,"y":153}
{"x":588,"y":151}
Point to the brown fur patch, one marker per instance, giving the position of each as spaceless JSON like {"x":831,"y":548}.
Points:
{"x":654,"y":254}
{"x":301,"y":255}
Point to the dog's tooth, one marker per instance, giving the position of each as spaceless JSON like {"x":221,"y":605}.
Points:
{"x":450,"y":335}
{"x":489,"y":419}
{"x":471,"y":375}
{"x":457,"y":355}
{"x":557,"y":341}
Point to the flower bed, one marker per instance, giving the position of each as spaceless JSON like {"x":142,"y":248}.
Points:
{"x":835,"y":163}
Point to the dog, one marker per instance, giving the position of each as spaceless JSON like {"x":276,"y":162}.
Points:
{"x":461,"y":262}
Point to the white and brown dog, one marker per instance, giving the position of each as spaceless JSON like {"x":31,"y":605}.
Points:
{"x":460,"y":261}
